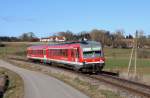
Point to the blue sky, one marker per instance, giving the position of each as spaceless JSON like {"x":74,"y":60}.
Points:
{"x":46,"y":17}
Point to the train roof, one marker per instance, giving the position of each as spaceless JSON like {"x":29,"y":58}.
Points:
{"x":82,"y":43}
{"x":90,"y":44}
{"x":79,"y":42}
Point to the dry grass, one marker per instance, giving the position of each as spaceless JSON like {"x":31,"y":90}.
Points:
{"x":15,"y":87}
{"x":93,"y":91}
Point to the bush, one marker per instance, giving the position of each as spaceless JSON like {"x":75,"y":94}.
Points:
{"x":2,"y":45}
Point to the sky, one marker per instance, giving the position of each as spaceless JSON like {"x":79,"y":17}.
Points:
{"x":47,"y":17}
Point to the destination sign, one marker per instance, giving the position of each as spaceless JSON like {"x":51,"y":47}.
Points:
{"x":91,"y":49}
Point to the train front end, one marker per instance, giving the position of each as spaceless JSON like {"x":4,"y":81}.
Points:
{"x":93,"y":57}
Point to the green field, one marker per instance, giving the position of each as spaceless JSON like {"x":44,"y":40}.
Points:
{"x":118,"y":59}
{"x":115,"y":58}
{"x":13,"y":49}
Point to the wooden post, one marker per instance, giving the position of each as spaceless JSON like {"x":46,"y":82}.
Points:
{"x":129,"y":65}
{"x":134,"y":51}
{"x":135,"y":60}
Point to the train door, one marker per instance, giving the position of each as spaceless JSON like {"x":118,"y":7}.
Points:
{"x":74,"y":55}
{"x":44,"y":55}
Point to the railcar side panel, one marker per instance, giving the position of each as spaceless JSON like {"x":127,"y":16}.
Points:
{"x":82,"y":56}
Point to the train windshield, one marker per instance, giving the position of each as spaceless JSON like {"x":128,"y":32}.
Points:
{"x":89,"y":54}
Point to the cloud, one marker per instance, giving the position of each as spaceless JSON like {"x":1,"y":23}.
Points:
{"x":16,"y":19}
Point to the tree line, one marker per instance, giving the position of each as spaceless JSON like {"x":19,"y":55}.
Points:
{"x":29,"y":36}
{"x":109,"y":39}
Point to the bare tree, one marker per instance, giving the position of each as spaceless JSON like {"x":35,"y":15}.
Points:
{"x":118,"y":39}
{"x":68,"y":35}
{"x":27,"y":36}
{"x":83,"y":35}
{"x":100,"y":36}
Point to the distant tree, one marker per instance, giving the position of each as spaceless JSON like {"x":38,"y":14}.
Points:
{"x":68,"y":35}
{"x":101,"y":36}
{"x":142,"y":40}
{"x":118,"y":39}
{"x":108,"y":38}
{"x":129,"y":36}
{"x":8,"y":39}
{"x":84,"y":35}
{"x":29,"y":36}
{"x":148,"y":36}
{"x":24,"y":37}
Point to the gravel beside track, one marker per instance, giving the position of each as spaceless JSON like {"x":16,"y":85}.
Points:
{"x":135,"y":87}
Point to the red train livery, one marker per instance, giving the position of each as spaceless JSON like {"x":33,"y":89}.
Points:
{"x":86,"y":56}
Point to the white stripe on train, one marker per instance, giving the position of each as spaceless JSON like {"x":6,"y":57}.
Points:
{"x":62,"y":61}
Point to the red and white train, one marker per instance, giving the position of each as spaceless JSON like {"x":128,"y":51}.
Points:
{"x":86,"y":56}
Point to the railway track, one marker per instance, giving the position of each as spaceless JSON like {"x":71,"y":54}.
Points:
{"x":114,"y":80}
{"x":134,"y":87}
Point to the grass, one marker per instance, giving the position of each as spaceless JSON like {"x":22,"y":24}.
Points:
{"x":119,"y":59}
{"x":15,"y":87}
{"x":123,"y":62}
{"x":109,"y":94}
{"x":16,"y":48}
{"x":115,"y":52}
{"x":13,"y":49}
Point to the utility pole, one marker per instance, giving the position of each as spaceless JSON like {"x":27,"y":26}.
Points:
{"x":129,"y":65}
{"x":133,"y":51}
{"x":135,"y":60}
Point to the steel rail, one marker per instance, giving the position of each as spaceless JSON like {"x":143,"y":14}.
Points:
{"x":135,"y":87}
